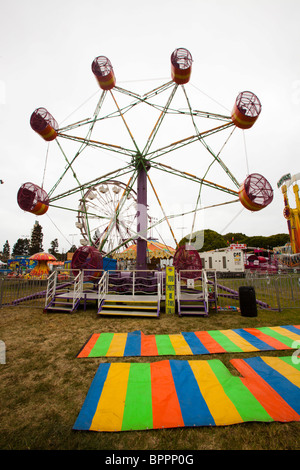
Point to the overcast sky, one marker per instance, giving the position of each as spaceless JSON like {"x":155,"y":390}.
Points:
{"x":45,"y":61}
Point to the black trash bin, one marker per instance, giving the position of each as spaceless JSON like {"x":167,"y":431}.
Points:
{"x":247,"y":301}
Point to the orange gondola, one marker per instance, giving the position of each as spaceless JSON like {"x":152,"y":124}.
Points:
{"x":181,"y":66}
{"x":32,"y":198}
{"x":44,"y":124}
{"x":104,"y":73}
{"x":246,"y":110}
{"x":256,"y":192}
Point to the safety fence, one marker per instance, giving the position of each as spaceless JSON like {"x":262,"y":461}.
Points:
{"x":276,"y":292}
{"x":272,"y":292}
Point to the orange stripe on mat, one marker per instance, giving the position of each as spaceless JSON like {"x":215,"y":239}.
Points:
{"x":89,"y":345}
{"x":267,"y":339}
{"x":272,"y":402}
{"x":209,"y":343}
{"x":165,"y":405}
{"x":148,"y":345}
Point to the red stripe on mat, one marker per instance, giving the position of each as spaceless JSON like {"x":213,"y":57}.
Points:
{"x":148,"y":345}
{"x":89,"y":345}
{"x":267,"y":339}
{"x":165,"y":405}
{"x":272,"y":402}
{"x":209,"y":343}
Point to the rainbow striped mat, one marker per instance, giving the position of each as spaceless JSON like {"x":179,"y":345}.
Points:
{"x":181,"y":393}
{"x":186,"y":344}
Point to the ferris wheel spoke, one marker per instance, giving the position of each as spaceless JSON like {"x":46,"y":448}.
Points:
{"x":150,"y":94}
{"x":184,"y":174}
{"x":216,"y":157}
{"x":83,"y":144}
{"x":159,"y":121}
{"x":186,"y":141}
{"x":166,"y":218}
{"x":123,"y":119}
{"x":101,"y":145}
{"x":102,"y":179}
{"x":69,"y":166}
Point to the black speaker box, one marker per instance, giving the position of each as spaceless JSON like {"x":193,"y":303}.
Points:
{"x":247,"y":301}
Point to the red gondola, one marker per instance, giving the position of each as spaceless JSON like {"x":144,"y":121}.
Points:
{"x":44,"y":124}
{"x":256,"y":192}
{"x":104,"y":73}
{"x":188,"y":261}
{"x":246,"y":110}
{"x":32,"y":198}
{"x":181,"y":66}
{"x":89,"y":259}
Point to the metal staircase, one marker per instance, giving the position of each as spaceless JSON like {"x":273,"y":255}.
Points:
{"x":195,"y":296}
{"x":129,"y":294}
{"x":63,"y":298}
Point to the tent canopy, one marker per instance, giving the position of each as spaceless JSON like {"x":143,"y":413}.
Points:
{"x":154,"y":250}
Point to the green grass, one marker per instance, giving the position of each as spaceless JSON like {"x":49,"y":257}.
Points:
{"x":43,"y":384}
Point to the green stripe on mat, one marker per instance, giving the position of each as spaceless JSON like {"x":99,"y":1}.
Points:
{"x":164,"y":345}
{"x":138,"y":403}
{"x":246,"y":404}
{"x":283,"y":339}
{"x":293,"y":361}
{"x":102,"y":345}
{"x":223,"y":341}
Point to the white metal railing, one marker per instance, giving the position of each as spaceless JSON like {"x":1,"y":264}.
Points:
{"x":51,"y":288}
{"x":134,"y":282}
{"x":78,"y":288}
{"x":205,"y":288}
{"x":178,"y":289}
{"x":102,"y":288}
{"x":159,"y":290}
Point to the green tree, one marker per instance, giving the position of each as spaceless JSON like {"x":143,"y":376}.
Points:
{"x":211,"y":240}
{"x":54,"y":247}
{"x":6,"y":252}
{"x":36,"y":241}
{"x":21,"y":247}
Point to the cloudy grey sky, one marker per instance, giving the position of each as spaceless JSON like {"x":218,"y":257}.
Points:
{"x":45,"y":61}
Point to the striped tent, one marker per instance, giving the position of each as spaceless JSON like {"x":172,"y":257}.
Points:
{"x":154,"y":250}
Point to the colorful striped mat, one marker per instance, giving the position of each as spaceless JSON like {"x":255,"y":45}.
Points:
{"x":186,"y":344}
{"x":180,"y":393}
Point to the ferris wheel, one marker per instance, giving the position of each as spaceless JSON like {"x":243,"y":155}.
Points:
{"x":98,"y":213}
{"x":111,"y":213}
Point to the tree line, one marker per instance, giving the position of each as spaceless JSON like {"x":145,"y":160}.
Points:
{"x":204,"y":240}
{"x":28,"y":247}
{"x":208,"y":240}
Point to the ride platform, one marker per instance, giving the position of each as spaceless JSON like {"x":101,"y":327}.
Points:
{"x":129,"y":305}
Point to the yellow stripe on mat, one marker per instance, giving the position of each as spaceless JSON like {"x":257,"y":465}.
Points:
{"x":117,"y":345}
{"x":220,"y":406}
{"x":288,"y":371}
{"x":180,"y":345}
{"x":285,"y":332}
{"x":110,"y":409}
{"x":239,"y":341}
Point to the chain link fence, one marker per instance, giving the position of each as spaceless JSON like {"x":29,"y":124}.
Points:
{"x":276,"y":292}
{"x":272,"y":292}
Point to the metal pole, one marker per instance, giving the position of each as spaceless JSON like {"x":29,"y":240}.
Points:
{"x":141,"y":256}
